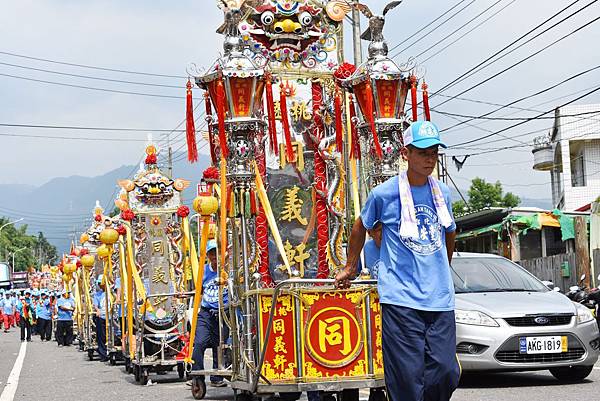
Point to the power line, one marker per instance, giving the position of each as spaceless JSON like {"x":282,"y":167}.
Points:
{"x":461,"y":27}
{"x":471,"y":118}
{"x":71,"y":127}
{"x":522,"y":60}
{"x":443,"y":88}
{"x":426,"y":25}
{"x":93,"y":88}
{"x":532,"y":109}
{"x":430,"y":31}
{"x":468,"y":32}
{"x":91,"y":77}
{"x":526,"y":97}
{"x":92,"y":67}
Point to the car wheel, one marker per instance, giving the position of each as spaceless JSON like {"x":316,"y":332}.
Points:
{"x":571,"y":373}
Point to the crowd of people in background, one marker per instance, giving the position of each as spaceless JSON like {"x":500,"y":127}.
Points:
{"x":38,"y":312}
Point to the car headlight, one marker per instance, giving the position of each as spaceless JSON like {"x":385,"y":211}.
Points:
{"x":474,"y":318}
{"x":584,"y":315}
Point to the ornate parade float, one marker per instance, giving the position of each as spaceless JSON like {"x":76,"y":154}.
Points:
{"x":297,"y":139}
{"x":95,"y":269}
{"x":160,"y":265}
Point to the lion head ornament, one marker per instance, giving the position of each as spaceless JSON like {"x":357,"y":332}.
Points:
{"x":291,"y":31}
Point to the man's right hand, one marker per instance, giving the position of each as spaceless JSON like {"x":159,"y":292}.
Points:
{"x":342,"y":279}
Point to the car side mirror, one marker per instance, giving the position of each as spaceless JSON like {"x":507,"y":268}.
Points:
{"x":556,"y":289}
{"x":548,"y":284}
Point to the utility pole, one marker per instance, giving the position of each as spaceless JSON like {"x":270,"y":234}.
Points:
{"x":582,"y":250}
{"x":356,"y":35}
{"x":170,"y":155}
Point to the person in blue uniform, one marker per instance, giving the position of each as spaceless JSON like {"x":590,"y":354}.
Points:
{"x":207,"y":329}
{"x":8,"y":311}
{"x":372,"y":250}
{"x":99,"y":302}
{"x":65,"y":306}
{"x":26,"y":311}
{"x":414,"y":281}
{"x":44,"y":316}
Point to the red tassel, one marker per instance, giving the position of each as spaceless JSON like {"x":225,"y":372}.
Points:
{"x":252,"y":202}
{"x":413,"y":97}
{"x":369,"y":107}
{"x":221,"y":118}
{"x":355,"y":152}
{"x":286,"y":125}
{"x":339,"y":130}
{"x":271,"y":116}
{"x":190,"y":128}
{"x":211,"y":143}
{"x":426,"y":102}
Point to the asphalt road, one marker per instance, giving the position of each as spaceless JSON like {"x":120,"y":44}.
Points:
{"x":50,"y":373}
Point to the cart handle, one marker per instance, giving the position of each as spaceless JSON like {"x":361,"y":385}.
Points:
{"x":278,"y":287}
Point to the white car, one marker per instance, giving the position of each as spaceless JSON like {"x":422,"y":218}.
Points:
{"x":508,"y":320}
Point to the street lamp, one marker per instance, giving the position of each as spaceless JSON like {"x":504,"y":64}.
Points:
{"x":13,"y":257}
{"x":9,"y":223}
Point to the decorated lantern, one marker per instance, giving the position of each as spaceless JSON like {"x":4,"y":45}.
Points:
{"x":380,"y":88}
{"x":235,"y":88}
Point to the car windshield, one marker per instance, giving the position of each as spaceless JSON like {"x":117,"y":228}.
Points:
{"x":491,"y":275}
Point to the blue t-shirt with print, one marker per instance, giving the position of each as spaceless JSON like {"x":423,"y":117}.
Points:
{"x":413,"y":273}
{"x":65,"y":314}
{"x":210,"y":289}
{"x":44,"y":310}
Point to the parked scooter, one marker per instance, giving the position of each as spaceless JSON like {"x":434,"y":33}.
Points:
{"x":590,"y":298}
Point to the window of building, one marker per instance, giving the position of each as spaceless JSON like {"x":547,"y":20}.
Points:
{"x":554,"y":242}
{"x":578,"y":170}
{"x":531,"y":244}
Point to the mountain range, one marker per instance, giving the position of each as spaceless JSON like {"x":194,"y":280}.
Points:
{"x":63,"y":207}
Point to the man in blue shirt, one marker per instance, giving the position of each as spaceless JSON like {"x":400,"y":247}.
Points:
{"x":65,"y":306}
{"x":7,"y":310}
{"x":44,"y":315}
{"x":415,"y":285}
{"x":26,"y":311}
{"x":207,"y":329}
{"x":99,"y":302}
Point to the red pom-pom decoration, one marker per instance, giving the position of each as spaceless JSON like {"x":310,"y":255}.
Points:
{"x":98,"y":218}
{"x":344,"y":71}
{"x":211,"y":173}
{"x":78,"y":264}
{"x":151,"y":159}
{"x":183,"y":211}
{"x":83,"y":252}
{"x":121,"y":230}
{"x":127,"y":215}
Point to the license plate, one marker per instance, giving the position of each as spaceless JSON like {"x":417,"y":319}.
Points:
{"x":543,"y":345}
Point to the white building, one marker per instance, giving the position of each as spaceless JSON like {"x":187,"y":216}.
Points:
{"x":571,"y":153}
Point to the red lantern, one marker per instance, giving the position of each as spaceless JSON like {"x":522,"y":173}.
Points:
{"x":98,"y":218}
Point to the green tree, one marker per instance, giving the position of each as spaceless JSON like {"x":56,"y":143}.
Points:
{"x":28,"y":250}
{"x":483,"y":194}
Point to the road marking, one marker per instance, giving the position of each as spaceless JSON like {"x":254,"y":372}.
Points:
{"x":13,"y":379}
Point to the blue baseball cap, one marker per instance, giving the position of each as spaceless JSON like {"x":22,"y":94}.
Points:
{"x":422,"y":134}
{"x":210,"y":245}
